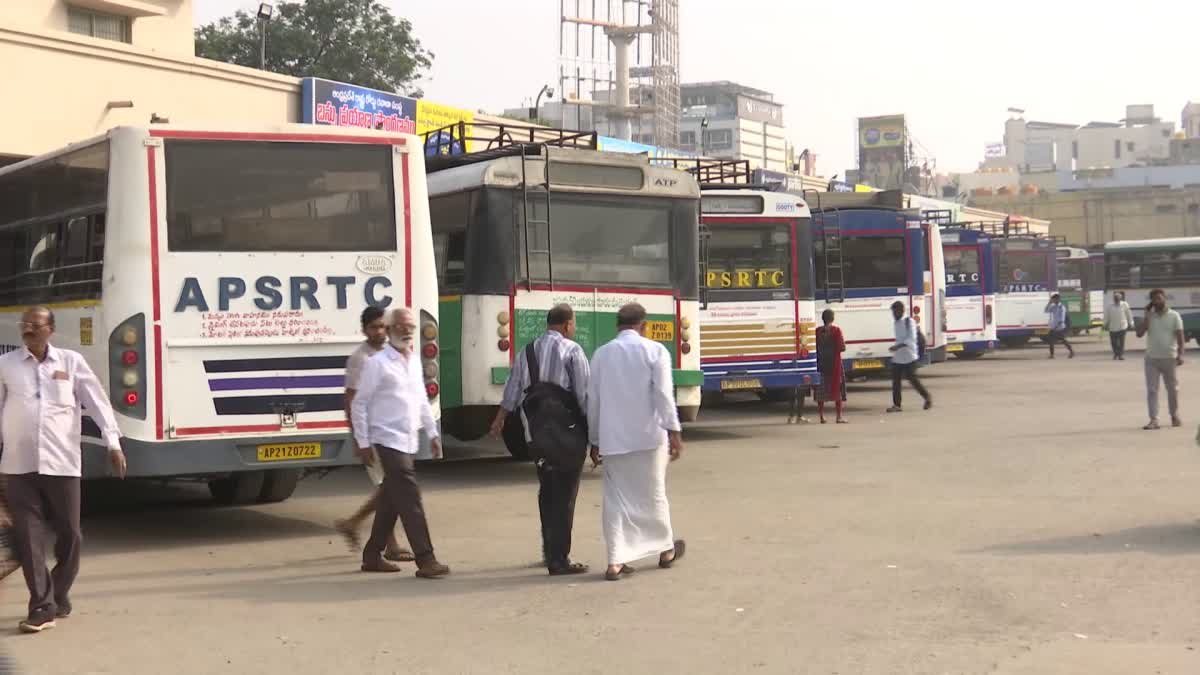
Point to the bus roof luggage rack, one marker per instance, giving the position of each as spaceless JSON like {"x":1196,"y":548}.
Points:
{"x":711,"y":172}
{"x":1003,"y":228}
{"x":445,"y":148}
{"x":838,"y":201}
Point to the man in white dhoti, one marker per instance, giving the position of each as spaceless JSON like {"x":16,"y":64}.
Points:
{"x":634,"y":426}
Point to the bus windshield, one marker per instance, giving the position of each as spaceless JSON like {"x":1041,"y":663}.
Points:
{"x":1071,"y":274}
{"x":269,"y":196}
{"x":962,"y":266}
{"x":868,"y":262}
{"x":748,"y":261}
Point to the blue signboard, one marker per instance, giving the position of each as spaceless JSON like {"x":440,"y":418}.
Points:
{"x":346,"y":105}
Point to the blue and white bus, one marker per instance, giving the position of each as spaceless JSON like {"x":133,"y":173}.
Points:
{"x":1025,"y":273}
{"x":970,"y":292}
{"x":869,"y":253}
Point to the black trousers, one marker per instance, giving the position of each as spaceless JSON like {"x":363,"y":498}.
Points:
{"x":906,"y":371}
{"x":399,"y":497}
{"x":559,"y":486}
{"x":1058,"y":336}
{"x":1117,"y":337}
{"x":41,"y":504}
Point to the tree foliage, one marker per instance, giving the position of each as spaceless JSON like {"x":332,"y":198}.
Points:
{"x":355,"y":41}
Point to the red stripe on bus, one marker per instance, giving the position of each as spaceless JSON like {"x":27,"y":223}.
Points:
{"x":603,"y":289}
{"x":747,"y":220}
{"x":152,"y":169}
{"x":749,"y":357}
{"x":795,"y":287}
{"x":512,"y":324}
{"x":158,"y":383}
{"x":255,"y":428}
{"x":678,"y":336}
{"x":964,"y":330}
{"x":864,"y":342}
{"x":407,"y":234}
{"x":254,"y":136}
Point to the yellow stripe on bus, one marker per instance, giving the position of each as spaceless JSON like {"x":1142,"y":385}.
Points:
{"x":449,"y":298}
{"x":68,"y":304}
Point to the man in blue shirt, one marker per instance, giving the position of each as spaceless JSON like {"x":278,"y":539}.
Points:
{"x":1058,"y":325}
{"x":904,"y":358}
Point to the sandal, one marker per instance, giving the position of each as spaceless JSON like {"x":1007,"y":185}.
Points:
{"x":679,"y":550}
{"x":625,"y":571}
{"x":843,"y":420}
{"x":349,"y":533}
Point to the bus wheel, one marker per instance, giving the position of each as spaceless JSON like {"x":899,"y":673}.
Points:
{"x":1015,"y":341}
{"x":967,"y":356}
{"x":240,"y":488}
{"x":278,"y":485}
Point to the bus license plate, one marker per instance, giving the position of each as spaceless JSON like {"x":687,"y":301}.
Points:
{"x":282,"y":452}
{"x":954,"y":348}
{"x":733,"y":385}
{"x":1042,"y":331}
{"x":868,"y":364}
{"x":660,"y":331}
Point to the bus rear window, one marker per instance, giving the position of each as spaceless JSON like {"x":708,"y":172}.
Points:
{"x":265,"y":196}
{"x":867,"y":262}
{"x":962,"y":266}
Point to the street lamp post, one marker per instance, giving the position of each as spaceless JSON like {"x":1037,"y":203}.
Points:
{"x":548,"y":91}
{"x":265,"y":10}
{"x":703,"y":133}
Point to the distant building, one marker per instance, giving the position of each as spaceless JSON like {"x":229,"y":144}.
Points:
{"x":1191,"y":120}
{"x":732,"y":121}
{"x":1139,"y":139}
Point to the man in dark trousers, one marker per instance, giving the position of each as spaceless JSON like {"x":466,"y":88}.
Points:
{"x":905,"y":354}
{"x":43,"y":390}
{"x":562,"y":362}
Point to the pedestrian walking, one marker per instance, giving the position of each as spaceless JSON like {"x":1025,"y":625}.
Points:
{"x":905,"y":354}
{"x":1118,"y":319}
{"x":374,"y":328}
{"x":43,"y":389}
{"x":547,"y":387}
{"x":389,"y":410}
{"x":1163,"y":329}
{"x":1058,"y":324}
{"x":633,"y":425}
{"x":830,"y":345}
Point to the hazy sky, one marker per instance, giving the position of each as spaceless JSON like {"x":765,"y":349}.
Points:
{"x":952,"y":66}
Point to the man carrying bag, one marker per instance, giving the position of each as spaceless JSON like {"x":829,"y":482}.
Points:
{"x":547,"y":389}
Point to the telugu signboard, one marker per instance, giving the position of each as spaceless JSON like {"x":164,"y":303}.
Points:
{"x":338,"y":104}
{"x":435,"y":116}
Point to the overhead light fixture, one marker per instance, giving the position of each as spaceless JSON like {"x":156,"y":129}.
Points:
{"x":118,"y":104}
{"x":265,"y":10}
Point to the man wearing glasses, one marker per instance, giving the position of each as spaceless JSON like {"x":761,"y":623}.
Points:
{"x":42,"y":392}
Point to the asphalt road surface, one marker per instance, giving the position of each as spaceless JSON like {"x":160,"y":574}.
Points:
{"x":1024,"y":525}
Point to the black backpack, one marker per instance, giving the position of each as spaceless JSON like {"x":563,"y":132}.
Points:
{"x":557,"y":428}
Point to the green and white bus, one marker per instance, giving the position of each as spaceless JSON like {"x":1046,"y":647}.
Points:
{"x":1137,"y":267}
{"x":522,"y":226}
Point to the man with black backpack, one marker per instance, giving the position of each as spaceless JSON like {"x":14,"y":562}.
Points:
{"x":906,"y":354}
{"x":546,"y":393}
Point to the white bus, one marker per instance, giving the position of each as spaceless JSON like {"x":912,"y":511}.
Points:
{"x":522,"y":226}
{"x":757,"y":312}
{"x":1138,"y":267}
{"x":214,"y":279}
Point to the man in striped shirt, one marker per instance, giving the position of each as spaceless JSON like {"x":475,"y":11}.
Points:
{"x":560,"y":361}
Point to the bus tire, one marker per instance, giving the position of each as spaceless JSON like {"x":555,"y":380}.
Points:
{"x":967,"y":356}
{"x":278,"y":485}
{"x":237,"y":489}
{"x":1012,"y":342}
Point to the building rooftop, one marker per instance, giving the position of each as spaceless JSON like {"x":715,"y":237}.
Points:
{"x":733,"y":87}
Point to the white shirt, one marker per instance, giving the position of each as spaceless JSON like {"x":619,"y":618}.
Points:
{"x":631,"y":398}
{"x":390,"y":406}
{"x":906,"y":338}
{"x":354,"y":364}
{"x":1117,"y":317}
{"x":41,"y":411}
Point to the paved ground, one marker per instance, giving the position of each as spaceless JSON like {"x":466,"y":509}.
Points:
{"x":1025,"y":525}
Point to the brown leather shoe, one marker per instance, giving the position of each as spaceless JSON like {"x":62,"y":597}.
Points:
{"x":380,"y":565}
{"x":432,"y":570}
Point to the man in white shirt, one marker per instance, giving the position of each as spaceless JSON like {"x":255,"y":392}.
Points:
{"x":1118,"y":319}
{"x":634,"y":424}
{"x":42,"y":392}
{"x":374,"y":328}
{"x":904,"y":358}
{"x":389,"y":411}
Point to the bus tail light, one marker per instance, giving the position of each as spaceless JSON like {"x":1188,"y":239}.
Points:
{"x":987,"y":314}
{"x":429,"y":354}
{"x":127,"y":367}
{"x":916,"y":311}
{"x":503,"y":345}
{"x":685,"y":347}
